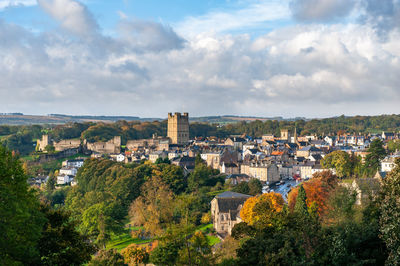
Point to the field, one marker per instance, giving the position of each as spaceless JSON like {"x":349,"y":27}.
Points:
{"x":123,"y":240}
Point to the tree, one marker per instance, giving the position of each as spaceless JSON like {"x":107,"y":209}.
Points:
{"x":242,"y":187}
{"x":60,"y":243}
{"x":197,"y":251}
{"x":390,"y":213}
{"x":340,"y":161}
{"x":203,"y":176}
{"x":317,"y":191}
{"x":154,"y":208}
{"x":20,"y":219}
{"x":255,"y":187}
{"x":162,"y":160}
{"x":373,"y":159}
{"x":260,"y":209}
{"x":109,"y":257}
{"x":301,"y":202}
{"x":51,"y":183}
{"x":393,"y":145}
{"x":135,"y":255}
{"x":50,"y":148}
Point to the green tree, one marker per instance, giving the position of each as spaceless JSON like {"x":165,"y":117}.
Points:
{"x":393,"y":145}
{"x":301,"y":202}
{"x":242,"y":187}
{"x":389,"y":213}
{"x":255,"y":187}
{"x":373,"y":159}
{"x":60,"y":243}
{"x":109,"y":257}
{"x":340,"y":161}
{"x":20,"y":219}
{"x":50,"y":148}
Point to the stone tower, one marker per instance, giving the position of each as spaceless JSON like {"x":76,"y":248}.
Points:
{"x":42,"y":144}
{"x":285,"y":134}
{"x":295,"y":135}
{"x":178,"y":128}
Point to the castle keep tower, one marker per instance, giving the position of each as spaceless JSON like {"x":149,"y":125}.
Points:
{"x":178,"y":128}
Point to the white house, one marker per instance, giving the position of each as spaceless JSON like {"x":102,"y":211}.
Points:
{"x":64,"y":179}
{"x":68,"y":171}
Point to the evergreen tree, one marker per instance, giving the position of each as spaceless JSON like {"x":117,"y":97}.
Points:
{"x":301,"y":202}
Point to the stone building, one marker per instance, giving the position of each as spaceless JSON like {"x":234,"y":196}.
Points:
{"x":178,"y":128}
{"x":66,"y":144}
{"x":285,"y":134}
{"x":225,"y":211}
{"x":62,"y":145}
{"x":111,"y":146}
{"x":41,"y":144}
{"x":263,"y":171}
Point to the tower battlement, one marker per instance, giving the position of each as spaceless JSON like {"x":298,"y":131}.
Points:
{"x":178,"y":128}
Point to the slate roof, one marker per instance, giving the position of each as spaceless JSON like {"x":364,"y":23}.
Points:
{"x":310,"y":148}
{"x":317,"y":157}
{"x":230,"y":201}
{"x":185,"y":159}
{"x":231,"y":195}
{"x":368,"y":184}
{"x":230,"y":204}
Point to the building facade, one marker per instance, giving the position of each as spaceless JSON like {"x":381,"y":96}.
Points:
{"x":178,"y":128}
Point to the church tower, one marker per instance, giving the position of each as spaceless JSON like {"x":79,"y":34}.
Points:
{"x":295,"y":135}
{"x":178,"y":128}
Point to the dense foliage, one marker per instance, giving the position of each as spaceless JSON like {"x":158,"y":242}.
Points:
{"x":33,"y":233}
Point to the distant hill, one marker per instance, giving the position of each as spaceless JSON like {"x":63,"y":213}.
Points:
{"x":21,"y":119}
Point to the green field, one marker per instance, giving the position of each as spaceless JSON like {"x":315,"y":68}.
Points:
{"x":123,"y":240}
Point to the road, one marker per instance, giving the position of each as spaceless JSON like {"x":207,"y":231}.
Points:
{"x":283,"y":189}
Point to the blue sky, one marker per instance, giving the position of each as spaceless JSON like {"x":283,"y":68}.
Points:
{"x":312,"y":58}
{"x":177,"y":13}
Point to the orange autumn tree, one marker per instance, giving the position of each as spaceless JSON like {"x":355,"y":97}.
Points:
{"x":260,"y":208}
{"x":318,"y":190}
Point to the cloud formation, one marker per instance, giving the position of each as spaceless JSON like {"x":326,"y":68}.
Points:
{"x":13,"y":3}
{"x":383,"y":15}
{"x":148,"y":69}
{"x":252,"y":15}
{"x":321,"y":10}
{"x":72,"y":16}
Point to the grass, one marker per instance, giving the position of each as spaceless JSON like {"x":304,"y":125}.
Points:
{"x":204,"y":227}
{"x":123,"y":240}
{"x":212,"y":240}
{"x":215,"y":193}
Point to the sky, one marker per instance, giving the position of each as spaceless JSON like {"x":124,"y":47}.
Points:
{"x":290,"y":58}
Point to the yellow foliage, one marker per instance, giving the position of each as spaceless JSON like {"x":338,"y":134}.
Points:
{"x":268,"y":203}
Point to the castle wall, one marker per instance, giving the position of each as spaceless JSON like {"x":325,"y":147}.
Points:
{"x":111,"y":146}
{"x":67,"y":144}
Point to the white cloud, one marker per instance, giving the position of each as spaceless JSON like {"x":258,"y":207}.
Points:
{"x":320,"y":10}
{"x":149,"y":70}
{"x":72,"y":15}
{"x":253,"y":14}
{"x":12,"y":3}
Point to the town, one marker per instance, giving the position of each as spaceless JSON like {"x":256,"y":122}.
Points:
{"x":278,"y":162}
